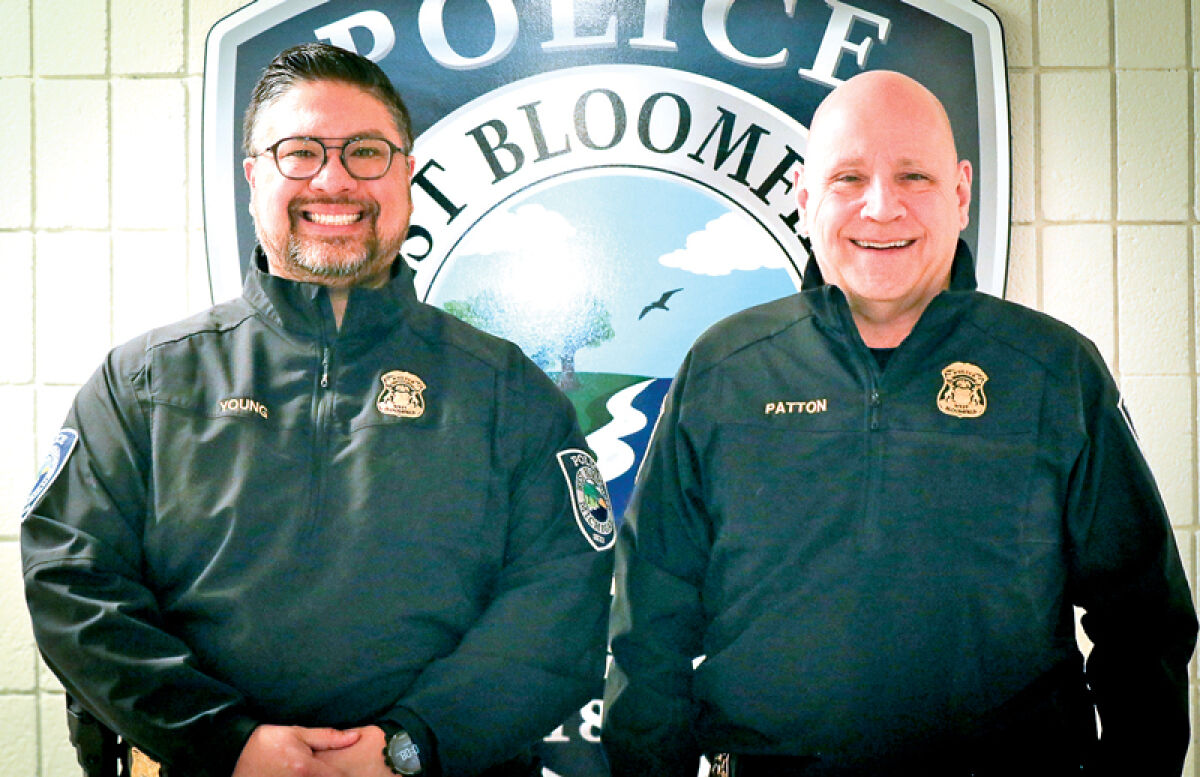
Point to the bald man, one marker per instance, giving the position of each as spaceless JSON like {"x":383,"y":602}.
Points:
{"x":869,"y":508}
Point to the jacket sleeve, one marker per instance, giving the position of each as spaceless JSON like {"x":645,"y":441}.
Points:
{"x":657,"y":620}
{"x":1126,"y":574}
{"x":96,"y":622}
{"x":537,"y":652}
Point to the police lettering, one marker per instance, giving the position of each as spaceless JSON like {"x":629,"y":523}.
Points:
{"x":505,"y":157}
{"x":808,"y":407}
{"x":566,"y":35}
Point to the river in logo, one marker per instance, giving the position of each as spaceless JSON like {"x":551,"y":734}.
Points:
{"x":604,"y":278}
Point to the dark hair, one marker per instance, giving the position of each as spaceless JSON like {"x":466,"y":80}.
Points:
{"x":322,"y":62}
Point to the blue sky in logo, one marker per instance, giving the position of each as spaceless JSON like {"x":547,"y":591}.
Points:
{"x":623,"y":238}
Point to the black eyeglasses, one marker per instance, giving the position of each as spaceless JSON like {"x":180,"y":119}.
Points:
{"x":301,"y":158}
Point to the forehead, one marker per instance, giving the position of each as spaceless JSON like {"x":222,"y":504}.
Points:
{"x":883,"y":131}
{"x":325,"y":109}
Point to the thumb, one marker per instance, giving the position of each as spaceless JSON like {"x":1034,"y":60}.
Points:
{"x":327,"y":738}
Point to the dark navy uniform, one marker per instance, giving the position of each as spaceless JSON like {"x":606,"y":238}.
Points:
{"x":261,"y":518}
{"x":879,"y":565}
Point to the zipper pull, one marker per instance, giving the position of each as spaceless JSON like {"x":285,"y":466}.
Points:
{"x":325,"y":367}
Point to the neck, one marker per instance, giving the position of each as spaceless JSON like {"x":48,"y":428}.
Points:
{"x":884,"y":332}
{"x":338,"y":297}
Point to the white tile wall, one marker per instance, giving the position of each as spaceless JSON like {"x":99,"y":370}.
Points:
{"x":1022,"y":285}
{"x":1075,"y":142}
{"x":57,"y":755}
{"x":149,"y":153}
{"x":1153,"y":145}
{"x":146,"y":37}
{"x":1022,"y":100}
{"x":74,"y":304}
{"x":1153,"y":300}
{"x":75,"y":49}
{"x":16,"y":176}
{"x":162,"y":256}
{"x":71,"y":167}
{"x":1161,"y":407}
{"x":1151,"y":34}
{"x":17,"y":462}
{"x":19,"y":751}
{"x":1078,"y":278}
{"x":100,"y":232}
{"x":1016,"y":17}
{"x":16,"y":306}
{"x":15,"y":53}
{"x":18,"y":670}
{"x":1071,"y":32}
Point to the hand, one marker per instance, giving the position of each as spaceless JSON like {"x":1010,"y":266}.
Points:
{"x":362,"y":759}
{"x":292,"y":751}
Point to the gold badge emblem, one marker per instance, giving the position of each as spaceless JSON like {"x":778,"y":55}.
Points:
{"x":962,"y":391}
{"x":401,"y":395}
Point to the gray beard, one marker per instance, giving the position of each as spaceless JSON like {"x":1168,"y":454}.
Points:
{"x":316,"y":259}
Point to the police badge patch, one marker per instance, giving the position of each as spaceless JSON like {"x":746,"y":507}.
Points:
{"x":56,"y":459}
{"x":401,"y":395}
{"x":589,"y":497}
{"x":962,"y":391}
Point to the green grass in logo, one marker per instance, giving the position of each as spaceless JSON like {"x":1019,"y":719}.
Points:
{"x":593,"y":392}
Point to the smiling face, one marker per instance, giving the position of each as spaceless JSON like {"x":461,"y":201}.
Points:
{"x":330,"y":229}
{"x":883,"y":197}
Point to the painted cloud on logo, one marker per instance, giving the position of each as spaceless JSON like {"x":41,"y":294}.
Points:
{"x":727,"y":243}
{"x":506,"y":231}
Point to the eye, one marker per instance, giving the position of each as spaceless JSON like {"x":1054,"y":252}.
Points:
{"x":367,"y":149}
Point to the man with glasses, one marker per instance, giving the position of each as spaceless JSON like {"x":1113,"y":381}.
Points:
{"x":323,"y":529}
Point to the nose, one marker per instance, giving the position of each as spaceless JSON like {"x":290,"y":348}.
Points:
{"x":333,"y":176}
{"x":882,"y":201}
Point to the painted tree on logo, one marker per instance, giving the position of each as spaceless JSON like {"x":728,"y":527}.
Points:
{"x":551,"y":336}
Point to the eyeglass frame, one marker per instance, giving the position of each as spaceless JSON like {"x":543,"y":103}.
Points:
{"x":393,"y":150}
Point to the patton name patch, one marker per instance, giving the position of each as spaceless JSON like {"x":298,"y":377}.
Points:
{"x":801,"y":407}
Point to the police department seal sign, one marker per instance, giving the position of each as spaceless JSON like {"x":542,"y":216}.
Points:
{"x":599,"y":181}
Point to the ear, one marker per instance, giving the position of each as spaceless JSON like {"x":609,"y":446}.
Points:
{"x":248,"y":169}
{"x":801,"y":200}
{"x":963,"y":192}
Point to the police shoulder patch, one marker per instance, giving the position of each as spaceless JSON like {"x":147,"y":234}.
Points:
{"x":589,"y":497}
{"x":52,"y":465}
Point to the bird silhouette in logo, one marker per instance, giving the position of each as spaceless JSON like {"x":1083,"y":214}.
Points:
{"x":659,"y":304}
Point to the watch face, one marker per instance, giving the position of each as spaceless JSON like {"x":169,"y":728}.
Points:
{"x":404,"y":754}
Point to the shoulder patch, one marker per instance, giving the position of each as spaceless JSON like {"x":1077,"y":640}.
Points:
{"x":56,"y":459}
{"x":589,"y":497}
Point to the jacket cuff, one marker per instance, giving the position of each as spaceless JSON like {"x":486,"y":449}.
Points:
{"x":422,"y":737}
{"x":216,"y":752}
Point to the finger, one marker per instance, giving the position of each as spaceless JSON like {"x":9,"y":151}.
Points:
{"x":327,"y":738}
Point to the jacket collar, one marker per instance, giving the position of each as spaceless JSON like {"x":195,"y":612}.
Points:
{"x":303,"y":308}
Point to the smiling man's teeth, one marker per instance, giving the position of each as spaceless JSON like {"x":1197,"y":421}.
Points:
{"x":893,"y":244}
{"x":332,"y":219}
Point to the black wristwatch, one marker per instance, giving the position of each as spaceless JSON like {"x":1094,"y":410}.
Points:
{"x":400,"y":753}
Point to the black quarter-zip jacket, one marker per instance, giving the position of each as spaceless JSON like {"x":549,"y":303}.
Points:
{"x":875,"y":581}
{"x":243,"y":535}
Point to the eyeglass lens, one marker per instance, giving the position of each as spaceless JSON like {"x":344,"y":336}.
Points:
{"x":364,"y":158}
